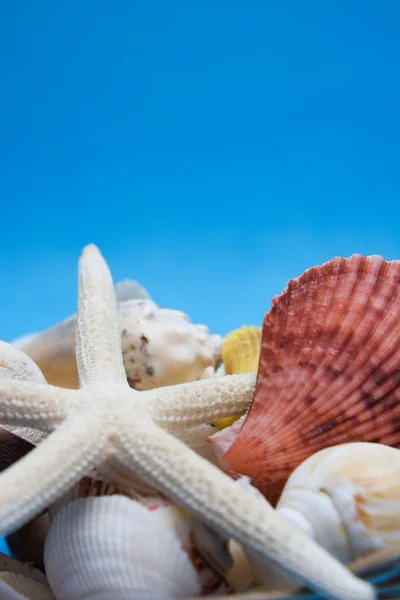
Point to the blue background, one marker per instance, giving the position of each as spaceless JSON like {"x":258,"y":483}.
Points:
{"x":211,"y":149}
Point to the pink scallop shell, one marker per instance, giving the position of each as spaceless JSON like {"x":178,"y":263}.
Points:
{"x":329,"y":370}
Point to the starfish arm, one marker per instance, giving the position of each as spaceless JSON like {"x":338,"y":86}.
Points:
{"x":47,"y":472}
{"x":190,"y":404}
{"x":98,"y":340}
{"x":213,"y":497}
{"x":33,"y":405}
{"x":15,"y":364}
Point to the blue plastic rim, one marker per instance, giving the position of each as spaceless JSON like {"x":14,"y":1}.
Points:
{"x":3,"y":546}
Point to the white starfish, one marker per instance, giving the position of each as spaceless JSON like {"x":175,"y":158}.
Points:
{"x":105,"y":420}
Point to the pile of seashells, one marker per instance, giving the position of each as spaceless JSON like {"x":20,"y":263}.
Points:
{"x":319,"y":442}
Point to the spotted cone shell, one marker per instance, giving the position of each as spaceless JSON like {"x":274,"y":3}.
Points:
{"x":329,"y":370}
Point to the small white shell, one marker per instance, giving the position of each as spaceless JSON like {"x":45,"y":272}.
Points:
{"x":9,"y":564}
{"x":112,"y":547}
{"x":22,"y":581}
{"x":347,"y":498}
{"x":18,"y":587}
{"x":163,"y":347}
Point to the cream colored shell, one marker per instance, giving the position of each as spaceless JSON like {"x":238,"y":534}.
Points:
{"x":163,"y":347}
{"x":347,"y":498}
{"x":159,"y":346}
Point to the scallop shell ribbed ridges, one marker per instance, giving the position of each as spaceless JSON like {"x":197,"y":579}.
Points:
{"x":329,"y":370}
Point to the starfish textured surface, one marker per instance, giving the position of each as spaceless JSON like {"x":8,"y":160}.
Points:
{"x":105,"y":421}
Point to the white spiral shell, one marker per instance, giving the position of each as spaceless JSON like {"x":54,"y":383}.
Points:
{"x":347,"y":498}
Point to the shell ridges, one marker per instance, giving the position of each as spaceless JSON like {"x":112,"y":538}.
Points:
{"x":329,"y":370}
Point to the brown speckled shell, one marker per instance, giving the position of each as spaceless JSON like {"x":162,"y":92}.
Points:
{"x":329,"y":370}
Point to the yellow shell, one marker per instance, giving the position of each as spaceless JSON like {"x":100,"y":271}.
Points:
{"x":240,"y":354}
{"x":241,"y":350}
{"x":227,"y":422}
